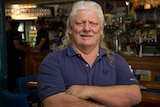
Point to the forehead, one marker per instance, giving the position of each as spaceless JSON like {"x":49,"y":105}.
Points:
{"x":89,"y":14}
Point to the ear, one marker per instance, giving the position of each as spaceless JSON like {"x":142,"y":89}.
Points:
{"x":102,"y":29}
{"x":70,"y":30}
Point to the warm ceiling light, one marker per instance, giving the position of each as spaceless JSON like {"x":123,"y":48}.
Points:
{"x":13,"y":6}
{"x":14,"y":17}
{"x":147,"y":6}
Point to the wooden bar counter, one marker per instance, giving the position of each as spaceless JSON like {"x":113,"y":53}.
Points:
{"x":150,"y":99}
{"x":151,"y":63}
{"x":32,"y":62}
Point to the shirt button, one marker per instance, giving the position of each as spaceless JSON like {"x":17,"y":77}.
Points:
{"x":87,"y":65}
{"x":98,"y":54}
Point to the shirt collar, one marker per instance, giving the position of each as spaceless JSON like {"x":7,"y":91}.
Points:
{"x":72,"y":52}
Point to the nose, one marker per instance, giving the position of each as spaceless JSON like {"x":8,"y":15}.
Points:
{"x":86,"y":27}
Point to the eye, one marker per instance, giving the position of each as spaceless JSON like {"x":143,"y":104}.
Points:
{"x":79,"y":23}
{"x":93,"y":24}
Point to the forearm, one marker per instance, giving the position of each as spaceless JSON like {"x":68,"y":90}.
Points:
{"x":116,"y":96}
{"x":110,"y":96}
{"x":19,"y":46}
{"x":42,"y":42}
{"x":65,"y":100}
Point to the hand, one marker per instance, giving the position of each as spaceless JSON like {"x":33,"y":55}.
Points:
{"x":79,"y":91}
{"x":37,"y":47}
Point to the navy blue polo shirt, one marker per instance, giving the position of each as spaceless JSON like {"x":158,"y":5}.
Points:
{"x":63,"y":68}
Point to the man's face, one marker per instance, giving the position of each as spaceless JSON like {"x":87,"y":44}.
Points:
{"x":86,"y":29}
{"x":37,"y":26}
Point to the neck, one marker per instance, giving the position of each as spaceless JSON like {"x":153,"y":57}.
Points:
{"x":88,"y":54}
{"x":86,"y":50}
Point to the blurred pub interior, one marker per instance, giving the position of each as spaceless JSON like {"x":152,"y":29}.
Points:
{"x":132,"y":28}
{"x":127,"y":21}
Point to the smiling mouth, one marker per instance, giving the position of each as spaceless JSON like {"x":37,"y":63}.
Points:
{"x":86,"y":35}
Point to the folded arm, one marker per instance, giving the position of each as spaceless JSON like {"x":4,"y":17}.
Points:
{"x":66,"y":100}
{"x":110,"y":96}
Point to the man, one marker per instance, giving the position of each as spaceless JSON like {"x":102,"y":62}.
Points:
{"x":84,"y":72}
{"x":15,"y":54}
{"x":42,"y":39}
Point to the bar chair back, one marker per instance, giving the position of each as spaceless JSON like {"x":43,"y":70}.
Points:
{"x":11,"y":99}
{"x":32,"y":93}
{"x":22,"y":84}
